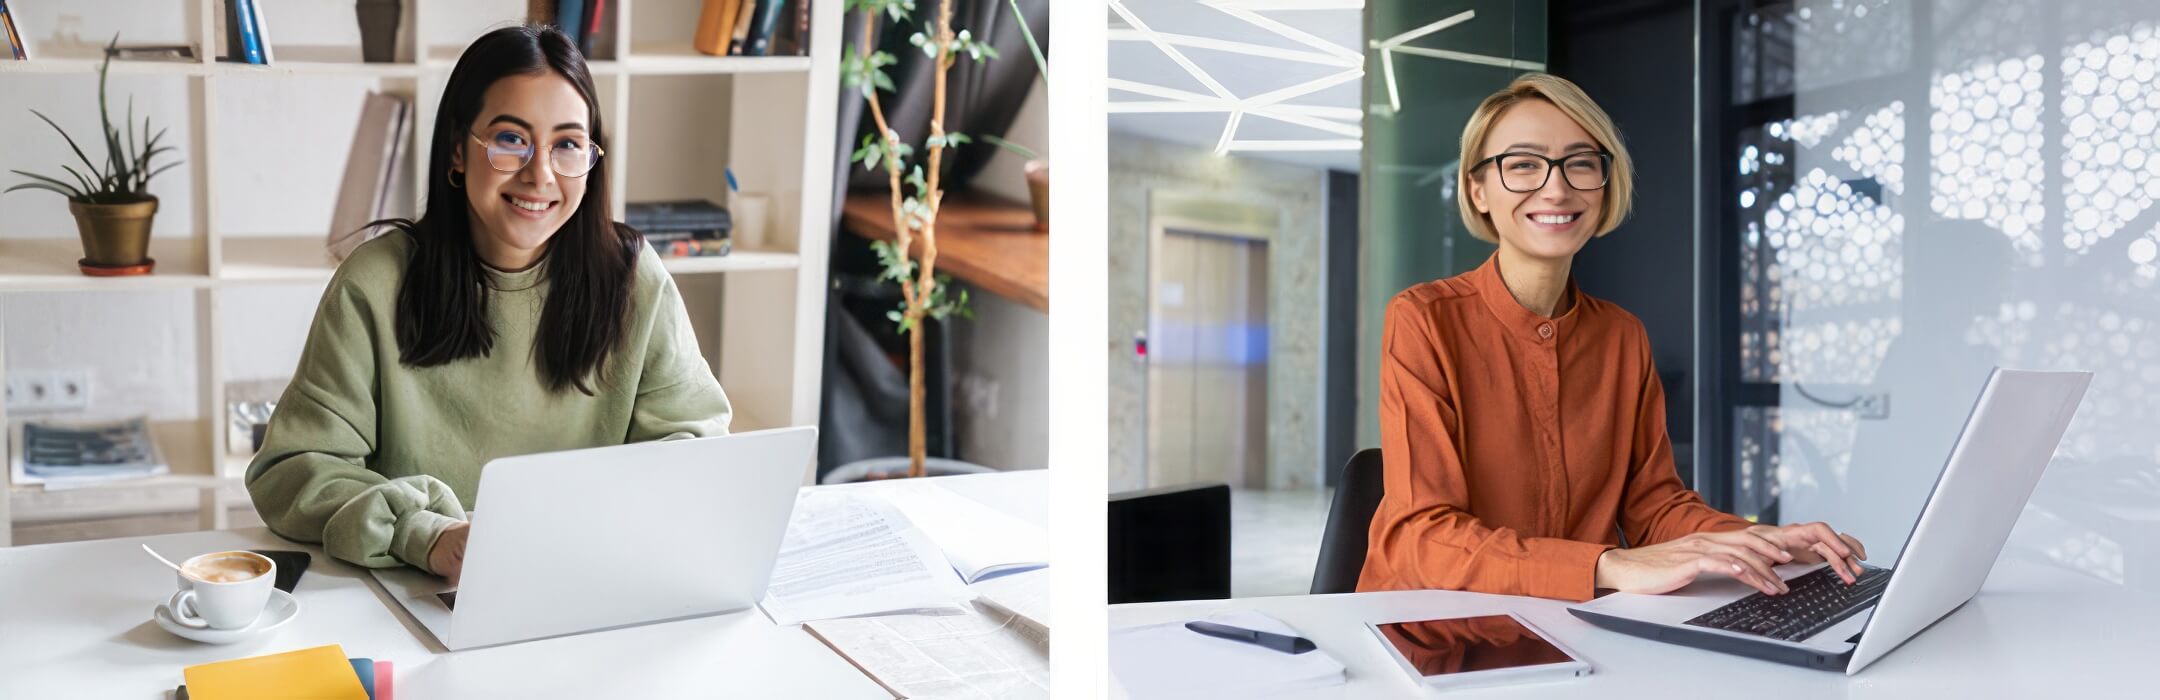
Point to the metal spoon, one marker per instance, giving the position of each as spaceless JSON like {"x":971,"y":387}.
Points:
{"x":161,"y":558}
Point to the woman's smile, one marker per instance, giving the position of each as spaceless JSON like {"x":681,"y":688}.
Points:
{"x":530,"y":208}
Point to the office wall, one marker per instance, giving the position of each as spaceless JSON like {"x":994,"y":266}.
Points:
{"x":1971,"y":185}
{"x":1640,"y":265}
{"x":1001,"y":358}
{"x":1140,"y":166}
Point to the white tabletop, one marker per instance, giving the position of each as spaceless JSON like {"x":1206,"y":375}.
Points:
{"x":75,"y":622}
{"x":2030,"y":633}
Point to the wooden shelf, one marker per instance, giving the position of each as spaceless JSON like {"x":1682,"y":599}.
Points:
{"x":192,"y":68}
{"x":48,"y":265}
{"x":990,"y":243}
{"x":275,"y":260}
{"x":657,"y":59}
{"x":737,"y":261}
{"x":185,"y":446}
{"x":681,"y":59}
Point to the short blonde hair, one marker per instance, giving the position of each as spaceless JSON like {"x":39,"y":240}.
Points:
{"x":1619,"y":187}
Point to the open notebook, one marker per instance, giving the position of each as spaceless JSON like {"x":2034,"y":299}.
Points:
{"x":979,"y":541}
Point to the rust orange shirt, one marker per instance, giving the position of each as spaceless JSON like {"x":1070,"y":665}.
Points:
{"x":1514,"y":445}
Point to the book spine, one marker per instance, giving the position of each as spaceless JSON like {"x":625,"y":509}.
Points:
{"x":697,"y":221}
{"x":802,"y":27}
{"x":14,"y":35}
{"x":713,"y":28}
{"x":768,"y":19}
{"x":540,"y":11}
{"x":698,"y":230}
{"x":591,"y":34}
{"x":567,"y":15}
{"x":740,"y":37}
{"x":696,"y":235}
{"x":250,"y":36}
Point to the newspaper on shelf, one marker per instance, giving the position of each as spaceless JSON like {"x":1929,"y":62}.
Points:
{"x":64,"y":453}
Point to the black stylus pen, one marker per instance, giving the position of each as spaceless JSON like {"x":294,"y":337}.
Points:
{"x":1280,"y":642}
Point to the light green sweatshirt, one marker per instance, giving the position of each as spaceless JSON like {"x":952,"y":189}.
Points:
{"x":373,"y":458}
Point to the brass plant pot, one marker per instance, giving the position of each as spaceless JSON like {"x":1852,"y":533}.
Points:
{"x":114,"y":236}
{"x":1038,"y":179}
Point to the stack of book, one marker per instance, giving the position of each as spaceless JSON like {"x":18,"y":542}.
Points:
{"x":589,"y":23}
{"x":754,"y":28}
{"x":682,"y":228}
{"x":60,"y":454}
{"x":374,"y":172}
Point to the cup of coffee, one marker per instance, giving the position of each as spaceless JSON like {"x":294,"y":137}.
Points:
{"x":222,"y":590}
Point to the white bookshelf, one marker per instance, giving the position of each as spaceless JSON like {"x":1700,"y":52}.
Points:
{"x":675,"y":119}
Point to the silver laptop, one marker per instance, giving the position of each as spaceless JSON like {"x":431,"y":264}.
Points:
{"x":614,"y":536}
{"x":1824,"y":623}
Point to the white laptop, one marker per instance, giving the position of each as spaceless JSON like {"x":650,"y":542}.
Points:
{"x":568,"y":542}
{"x":2007,"y":441}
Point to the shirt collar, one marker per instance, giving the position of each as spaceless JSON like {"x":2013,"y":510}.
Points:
{"x":1520,"y":321}
{"x":518,"y":281}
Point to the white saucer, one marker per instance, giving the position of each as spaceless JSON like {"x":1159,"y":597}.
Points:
{"x":282,"y":608}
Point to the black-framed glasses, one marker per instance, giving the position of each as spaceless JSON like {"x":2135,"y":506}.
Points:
{"x":1528,"y":172}
{"x":509,"y":151}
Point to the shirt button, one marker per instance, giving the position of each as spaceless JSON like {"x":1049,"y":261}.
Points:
{"x":1544,"y":330}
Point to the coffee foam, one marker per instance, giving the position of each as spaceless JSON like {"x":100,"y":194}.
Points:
{"x":228,"y":568}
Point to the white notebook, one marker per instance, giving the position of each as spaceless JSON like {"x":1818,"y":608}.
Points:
{"x":1169,"y":661}
{"x":979,"y":541}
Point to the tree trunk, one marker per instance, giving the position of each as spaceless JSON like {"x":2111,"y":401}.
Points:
{"x":915,"y":441}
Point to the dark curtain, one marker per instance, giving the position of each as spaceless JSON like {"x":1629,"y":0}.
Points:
{"x":864,"y":405}
{"x":981,"y":97}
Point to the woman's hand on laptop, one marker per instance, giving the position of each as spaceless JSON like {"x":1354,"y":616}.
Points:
{"x":447,"y":559}
{"x":1814,"y":543}
{"x":1667,"y":566}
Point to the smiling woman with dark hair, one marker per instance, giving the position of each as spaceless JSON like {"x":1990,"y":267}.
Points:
{"x":512,"y":317}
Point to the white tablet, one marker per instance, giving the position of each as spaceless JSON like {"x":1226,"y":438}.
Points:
{"x":1476,"y":651}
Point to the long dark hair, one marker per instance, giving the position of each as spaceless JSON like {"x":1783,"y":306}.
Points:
{"x":590,"y":261}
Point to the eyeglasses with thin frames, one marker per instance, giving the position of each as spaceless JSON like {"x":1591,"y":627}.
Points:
{"x":1528,"y":172}
{"x":569,"y":158}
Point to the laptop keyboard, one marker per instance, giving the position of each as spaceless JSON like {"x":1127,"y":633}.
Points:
{"x":1818,"y":599}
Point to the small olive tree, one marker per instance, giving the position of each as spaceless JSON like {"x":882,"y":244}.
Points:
{"x":915,"y":207}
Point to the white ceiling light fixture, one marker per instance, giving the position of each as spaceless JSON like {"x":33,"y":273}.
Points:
{"x":1336,"y":127}
{"x":1400,"y":44}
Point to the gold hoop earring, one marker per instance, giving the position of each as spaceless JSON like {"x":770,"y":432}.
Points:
{"x":457,"y":179}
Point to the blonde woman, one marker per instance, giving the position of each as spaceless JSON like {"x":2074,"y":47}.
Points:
{"x":1522,"y":423}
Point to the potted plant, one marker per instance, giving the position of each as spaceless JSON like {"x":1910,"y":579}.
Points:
{"x":1036,"y":169}
{"x":112,"y":205}
{"x":923,"y":291}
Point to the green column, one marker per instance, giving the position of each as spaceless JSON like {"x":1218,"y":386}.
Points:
{"x":1412,"y":231}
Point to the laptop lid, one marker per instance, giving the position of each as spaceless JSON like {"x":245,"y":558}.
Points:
{"x":575,"y":541}
{"x":2011,"y":435}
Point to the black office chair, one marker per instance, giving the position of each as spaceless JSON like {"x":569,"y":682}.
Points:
{"x":1349,"y":520}
{"x":1170,"y":543}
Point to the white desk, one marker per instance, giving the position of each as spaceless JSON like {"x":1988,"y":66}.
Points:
{"x":75,"y":622}
{"x":2030,"y":633}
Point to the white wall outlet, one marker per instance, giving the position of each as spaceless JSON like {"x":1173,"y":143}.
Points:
{"x":48,"y":391}
{"x":70,"y":389}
